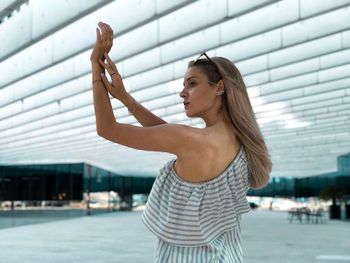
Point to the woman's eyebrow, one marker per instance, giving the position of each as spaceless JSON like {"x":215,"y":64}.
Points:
{"x":191,"y":77}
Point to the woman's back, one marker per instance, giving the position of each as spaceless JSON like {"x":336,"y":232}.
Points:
{"x":210,"y":156}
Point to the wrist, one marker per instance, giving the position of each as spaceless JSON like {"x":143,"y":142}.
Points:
{"x":96,"y":60}
{"x":131,"y":105}
{"x":95,"y":64}
{"x":127,"y":99}
{"x":97,"y":69}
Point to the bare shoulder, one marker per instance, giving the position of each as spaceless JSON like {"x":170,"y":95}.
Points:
{"x":196,"y":140}
{"x":208,"y":155}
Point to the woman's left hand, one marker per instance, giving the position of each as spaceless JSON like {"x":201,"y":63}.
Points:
{"x":104,"y":42}
{"x":116,"y":88}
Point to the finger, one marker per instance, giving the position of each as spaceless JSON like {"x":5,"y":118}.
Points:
{"x":110,"y":35}
{"x":98,"y":35}
{"x":106,"y":66}
{"x":104,"y":32}
{"x":110,"y":62}
{"x":103,"y":64}
{"x":109,"y":29}
{"x":105,"y":80}
{"x":108,"y":26}
{"x":111,"y":39}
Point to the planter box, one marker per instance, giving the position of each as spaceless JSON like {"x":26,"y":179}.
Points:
{"x":347,"y":211}
{"x":334,"y":212}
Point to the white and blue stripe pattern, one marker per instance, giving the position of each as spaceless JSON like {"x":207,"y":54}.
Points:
{"x":198,"y":218}
{"x":225,"y":248}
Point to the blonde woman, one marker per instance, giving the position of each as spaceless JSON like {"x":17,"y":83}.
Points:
{"x":197,"y":199}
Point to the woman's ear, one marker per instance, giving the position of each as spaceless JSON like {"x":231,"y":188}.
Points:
{"x":221,"y":87}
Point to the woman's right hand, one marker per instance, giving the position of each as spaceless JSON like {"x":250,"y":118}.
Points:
{"x":104,"y":42}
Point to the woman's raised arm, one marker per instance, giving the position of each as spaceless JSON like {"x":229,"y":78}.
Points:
{"x":144,"y":116}
{"x":102,"y":104}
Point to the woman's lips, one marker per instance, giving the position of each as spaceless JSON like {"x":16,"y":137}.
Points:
{"x":186,"y":105}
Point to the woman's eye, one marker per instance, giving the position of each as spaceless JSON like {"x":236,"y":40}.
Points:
{"x":192,"y":84}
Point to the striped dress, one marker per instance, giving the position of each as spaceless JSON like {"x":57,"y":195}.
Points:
{"x":198,"y":222}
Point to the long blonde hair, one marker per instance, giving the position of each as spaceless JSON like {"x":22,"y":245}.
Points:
{"x":236,"y":107}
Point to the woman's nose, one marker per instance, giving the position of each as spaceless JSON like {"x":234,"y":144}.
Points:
{"x":182,"y":94}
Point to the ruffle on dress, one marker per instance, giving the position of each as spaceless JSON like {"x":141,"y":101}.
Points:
{"x":194,"y":214}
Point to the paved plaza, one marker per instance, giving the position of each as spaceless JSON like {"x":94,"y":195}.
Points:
{"x":121,"y":237}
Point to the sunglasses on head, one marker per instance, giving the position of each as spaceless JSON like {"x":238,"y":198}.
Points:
{"x":203,"y":54}
{"x":212,"y":61}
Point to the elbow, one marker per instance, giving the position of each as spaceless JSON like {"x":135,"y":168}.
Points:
{"x":100,"y":132}
{"x":104,"y":130}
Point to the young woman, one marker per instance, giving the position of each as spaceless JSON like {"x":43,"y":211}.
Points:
{"x":196,"y":201}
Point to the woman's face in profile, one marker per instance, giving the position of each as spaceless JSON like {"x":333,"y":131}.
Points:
{"x":197,"y":92}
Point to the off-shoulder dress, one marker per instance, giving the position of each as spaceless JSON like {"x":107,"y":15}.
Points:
{"x":199,"y":222}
